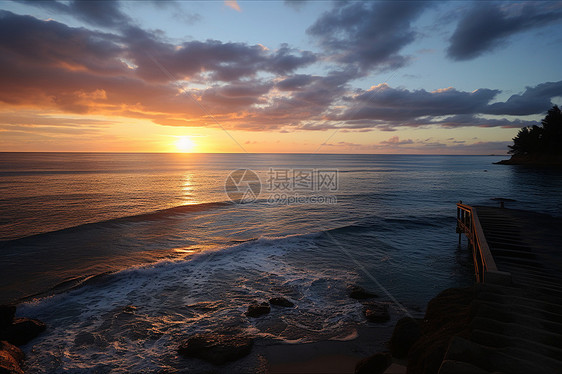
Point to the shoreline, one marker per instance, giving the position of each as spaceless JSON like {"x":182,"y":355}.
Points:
{"x":554,"y":161}
{"x":326,"y":356}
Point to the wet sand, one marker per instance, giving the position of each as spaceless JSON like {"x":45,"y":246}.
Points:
{"x":328,"y":356}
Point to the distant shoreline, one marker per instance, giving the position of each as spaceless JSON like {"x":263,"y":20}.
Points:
{"x":533,"y":160}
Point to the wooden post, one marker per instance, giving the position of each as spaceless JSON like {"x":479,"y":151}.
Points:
{"x":458,"y":226}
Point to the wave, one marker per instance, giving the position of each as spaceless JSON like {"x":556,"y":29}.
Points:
{"x":66,"y":286}
{"x":150,"y":216}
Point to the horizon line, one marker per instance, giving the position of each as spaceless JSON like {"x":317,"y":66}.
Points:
{"x":265,"y":153}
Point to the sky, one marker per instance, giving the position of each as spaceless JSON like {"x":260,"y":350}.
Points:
{"x":403,"y":77}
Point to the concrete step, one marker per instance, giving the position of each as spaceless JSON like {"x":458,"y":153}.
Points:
{"x":519,"y":300}
{"x":504,"y":360}
{"x":495,"y":340}
{"x":517,"y":330}
{"x":507,"y":315}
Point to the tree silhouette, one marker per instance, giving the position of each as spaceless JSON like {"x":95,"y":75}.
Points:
{"x":540,"y":140}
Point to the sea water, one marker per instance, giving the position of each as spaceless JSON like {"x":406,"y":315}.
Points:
{"x":124,"y":255}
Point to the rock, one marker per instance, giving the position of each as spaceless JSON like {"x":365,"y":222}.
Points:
{"x":447,"y":315}
{"x":14,"y":351}
{"x":8,"y":365}
{"x":406,"y":332}
{"x":11,"y":358}
{"x":375,"y":364}
{"x":281,"y":301}
{"x":22,"y":330}
{"x":215,"y":348}
{"x":359,"y":293}
{"x":7,"y":313}
{"x":256,"y":310}
{"x":376,"y":312}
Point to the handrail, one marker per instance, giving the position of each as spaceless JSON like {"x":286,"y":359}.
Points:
{"x":469,"y":224}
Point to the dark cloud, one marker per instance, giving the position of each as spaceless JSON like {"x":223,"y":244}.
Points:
{"x":217,"y":60}
{"x":106,"y":13}
{"x":306,"y":100}
{"x":489,"y":25}
{"x":237,"y":96}
{"x":27,"y":40}
{"x":296,"y":82}
{"x":391,"y":104}
{"x":535,"y":100}
{"x":476,"y":121}
{"x":370,"y":34}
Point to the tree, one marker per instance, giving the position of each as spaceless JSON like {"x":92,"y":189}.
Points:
{"x":540,"y":140}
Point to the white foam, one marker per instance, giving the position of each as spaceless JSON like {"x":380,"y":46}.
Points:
{"x":209,"y":291}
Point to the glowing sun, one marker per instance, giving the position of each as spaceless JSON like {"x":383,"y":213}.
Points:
{"x":185,"y":144}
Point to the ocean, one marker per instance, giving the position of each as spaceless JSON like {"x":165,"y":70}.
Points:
{"x":124,"y":255}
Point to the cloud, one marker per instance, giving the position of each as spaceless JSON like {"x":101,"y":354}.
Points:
{"x":209,"y":60}
{"x":488,"y":26}
{"x":385,"y":103}
{"x":104,"y":13}
{"x":535,"y":100}
{"x":476,"y":121}
{"x":137,"y":74}
{"x":428,"y":146}
{"x":80,"y":71}
{"x":343,"y":145}
{"x":295,"y":4}
{"x":233,"y":4}
{"x":370,"y":34}
{"x":296,"y":82}
{"x":395,"y":141}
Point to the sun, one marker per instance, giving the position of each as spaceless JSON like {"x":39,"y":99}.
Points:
{"x":185,"y":144}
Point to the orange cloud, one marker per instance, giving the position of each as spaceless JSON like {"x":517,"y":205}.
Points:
{"x":233,"y":4}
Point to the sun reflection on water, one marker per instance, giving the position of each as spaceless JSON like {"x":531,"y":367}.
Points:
{"x":188,"y":189}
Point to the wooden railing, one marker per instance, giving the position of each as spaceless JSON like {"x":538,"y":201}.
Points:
{"x":468,"y":224}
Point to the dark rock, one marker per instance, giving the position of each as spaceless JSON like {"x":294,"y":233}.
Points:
{"x":11,"y":358}
{"x":22,"y":330}
{"x":406,"y":332}
{"x":7,"y":313}
{"x":359,"y":293}
{"x":375,"y":364}
{"x":447,"y":315}
{"x":216,"y":349}
{"x":281,"y":301}
{"x":8,"y":364}
{"x":376,"y":312}
{"x":14,"y":351}
{"x":256,"y":310}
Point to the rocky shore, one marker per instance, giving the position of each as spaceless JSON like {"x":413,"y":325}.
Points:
{"x":15,"y":332}
{"x":442,"y":342}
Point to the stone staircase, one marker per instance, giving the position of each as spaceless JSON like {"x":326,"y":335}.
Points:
{"x":515,"y":327}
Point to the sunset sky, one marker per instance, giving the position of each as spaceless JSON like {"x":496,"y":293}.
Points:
{"x":272,"y":76}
